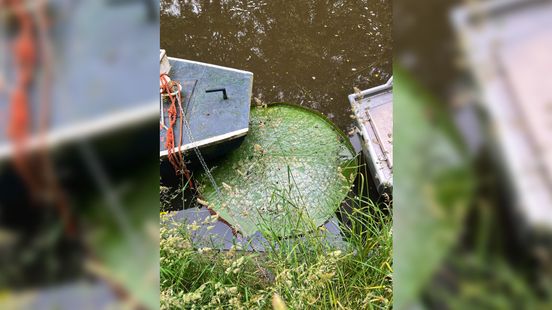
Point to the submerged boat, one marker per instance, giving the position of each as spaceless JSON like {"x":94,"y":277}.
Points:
{"x":215,"y":104}
{"x":373,"y":109}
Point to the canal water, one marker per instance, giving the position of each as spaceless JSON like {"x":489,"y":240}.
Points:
{"x":308,"y":52}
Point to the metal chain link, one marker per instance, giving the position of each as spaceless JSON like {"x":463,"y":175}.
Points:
{"x":198,"y":152}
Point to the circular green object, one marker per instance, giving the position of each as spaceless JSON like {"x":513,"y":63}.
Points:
{"x":289,"y":176}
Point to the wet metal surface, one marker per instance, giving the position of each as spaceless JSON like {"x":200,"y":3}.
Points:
{"x":85,"y":90}
{"x":373,"y":109}
{"x":308,"y":52}
{"x":508,"y":55}
{"x":212,"y":119}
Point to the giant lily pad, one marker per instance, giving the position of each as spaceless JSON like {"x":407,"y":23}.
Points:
{"x":290,"y":175}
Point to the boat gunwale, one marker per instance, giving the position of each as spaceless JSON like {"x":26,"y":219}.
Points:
{"x":376,"y":169}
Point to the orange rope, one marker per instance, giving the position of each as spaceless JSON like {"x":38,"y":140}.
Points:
{"x":172,"y":112}
{"x":176,"y":160}
{"x":18,"y":128}
{"x":25,"y":59}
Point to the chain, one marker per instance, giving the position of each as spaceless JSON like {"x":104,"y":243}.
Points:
{"x":198,"y":152}
{"x":201,"y":159}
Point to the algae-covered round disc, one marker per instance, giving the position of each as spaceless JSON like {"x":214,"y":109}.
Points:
{"x":289,"y":176}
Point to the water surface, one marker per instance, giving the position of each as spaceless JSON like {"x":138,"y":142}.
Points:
{"x":308,"y":52}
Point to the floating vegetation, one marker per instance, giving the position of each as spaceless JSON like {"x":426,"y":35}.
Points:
{"x":289,"y":176}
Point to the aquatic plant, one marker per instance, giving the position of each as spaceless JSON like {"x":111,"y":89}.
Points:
{"x":294,"y":167}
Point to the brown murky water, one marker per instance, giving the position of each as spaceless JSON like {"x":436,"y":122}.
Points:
{"x":309,"y":52}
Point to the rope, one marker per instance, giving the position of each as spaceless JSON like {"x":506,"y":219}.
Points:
{"x":25,"y":48}
{"x":176,"y":159}
{"x":24,"y":59}
{"x":185,"y":125}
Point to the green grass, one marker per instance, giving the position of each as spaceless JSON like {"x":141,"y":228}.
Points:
{"x":306,"y":275}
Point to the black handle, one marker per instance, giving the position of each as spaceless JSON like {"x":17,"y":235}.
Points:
{"x":223,"y":90}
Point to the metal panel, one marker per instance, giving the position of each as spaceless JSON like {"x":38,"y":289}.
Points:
{"x":508,"y":45}
{"x":91,"y":90}
{"x":212,"y":119}
{"x":373,"y":110}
